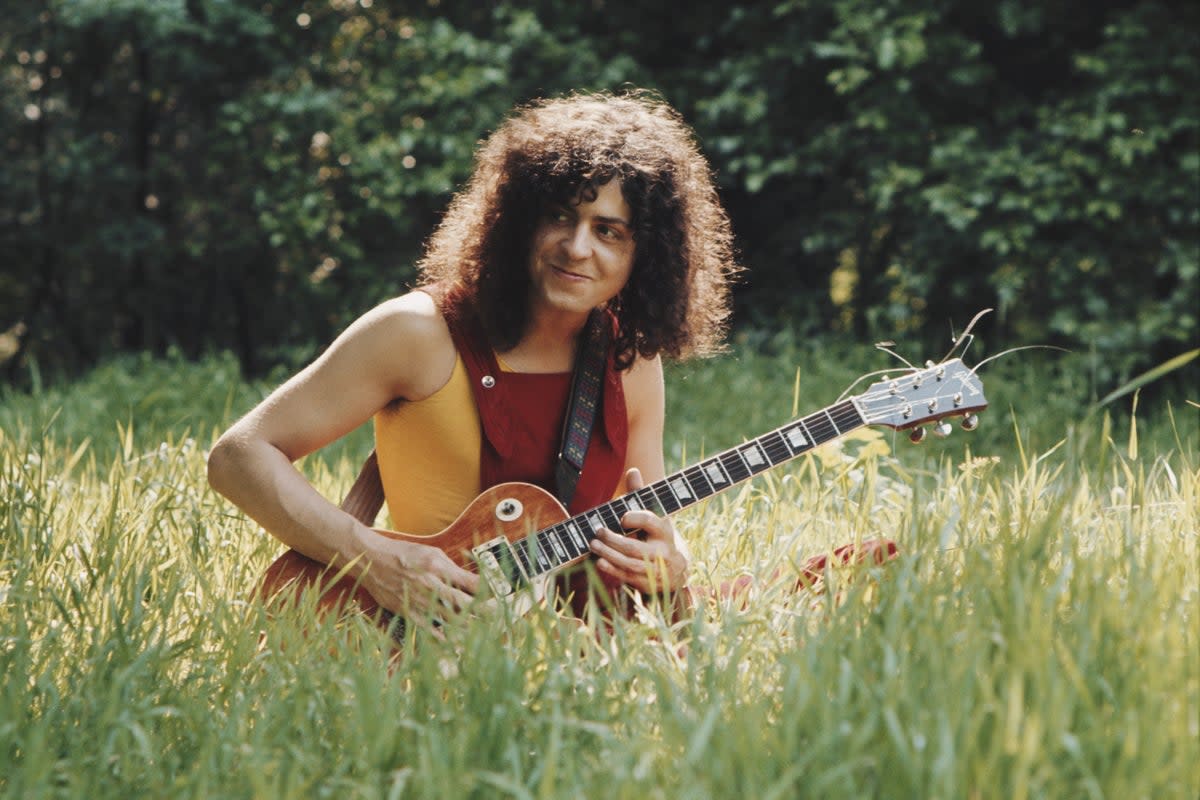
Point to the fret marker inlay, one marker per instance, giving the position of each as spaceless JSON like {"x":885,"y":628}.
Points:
{"x":681,"y":489}
{"x":796,"y":437}
{"x":579,"y":541}
{"x":752,"y":455}
{"x":558,"y":548}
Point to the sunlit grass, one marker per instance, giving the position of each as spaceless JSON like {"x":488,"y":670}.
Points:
{"x":1037,"y":637}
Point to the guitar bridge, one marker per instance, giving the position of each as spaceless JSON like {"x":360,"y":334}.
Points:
{"x":498,"y":565}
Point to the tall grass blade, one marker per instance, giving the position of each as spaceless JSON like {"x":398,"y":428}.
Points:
{"x":1149,"y":376}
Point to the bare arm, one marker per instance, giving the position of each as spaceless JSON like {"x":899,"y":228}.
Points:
{"x":399,"y":350}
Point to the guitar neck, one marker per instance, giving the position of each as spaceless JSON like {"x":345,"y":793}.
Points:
{"x":567,"y":542}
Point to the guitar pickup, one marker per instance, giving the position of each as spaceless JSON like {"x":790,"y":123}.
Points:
{"x":498,"y":565}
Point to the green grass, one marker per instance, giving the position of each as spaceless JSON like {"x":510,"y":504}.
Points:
{"x":1038,"y":637}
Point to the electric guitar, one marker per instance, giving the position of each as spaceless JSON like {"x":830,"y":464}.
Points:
{"x":519,"y":537}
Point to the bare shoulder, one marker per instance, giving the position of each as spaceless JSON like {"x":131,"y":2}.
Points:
{"x":644,"y":390}
{"x":412,"y":317}
{"x":645,"y":408}
{"x":406,"y":338}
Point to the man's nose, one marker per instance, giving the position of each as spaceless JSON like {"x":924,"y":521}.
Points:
{"x":579,"y":242}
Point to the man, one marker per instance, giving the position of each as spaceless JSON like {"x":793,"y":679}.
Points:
{"x":576,"y":204}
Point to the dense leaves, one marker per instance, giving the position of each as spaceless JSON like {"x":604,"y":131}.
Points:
{"x":207,"y":175}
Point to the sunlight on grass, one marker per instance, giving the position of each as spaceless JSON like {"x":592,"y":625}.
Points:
{"x":1037,"y":637}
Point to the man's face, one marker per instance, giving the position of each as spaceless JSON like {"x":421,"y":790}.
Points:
{"x":582,"y":253}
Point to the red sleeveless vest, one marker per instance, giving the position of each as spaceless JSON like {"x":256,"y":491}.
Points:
{"x":522,"y":414}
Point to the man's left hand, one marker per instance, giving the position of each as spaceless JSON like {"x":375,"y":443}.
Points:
{"x":652,"y":565}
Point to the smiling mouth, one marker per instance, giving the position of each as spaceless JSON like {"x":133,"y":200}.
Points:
{"x":570,"y":275}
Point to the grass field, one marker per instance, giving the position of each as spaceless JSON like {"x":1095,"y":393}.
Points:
{"x":1038,"y":636}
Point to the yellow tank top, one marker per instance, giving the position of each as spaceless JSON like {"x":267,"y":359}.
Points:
{"x":428,"y":453}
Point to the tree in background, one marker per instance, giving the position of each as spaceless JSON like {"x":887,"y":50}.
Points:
{"x":202,"y":175}
{"x":935,"y":158}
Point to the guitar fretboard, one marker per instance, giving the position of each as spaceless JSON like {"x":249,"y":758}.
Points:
{"x":561,"y":544}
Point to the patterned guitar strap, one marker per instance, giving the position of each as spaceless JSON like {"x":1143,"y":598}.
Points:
{"x":581,"y":412}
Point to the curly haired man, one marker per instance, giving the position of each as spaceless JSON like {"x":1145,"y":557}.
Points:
{"x":576,"y":204}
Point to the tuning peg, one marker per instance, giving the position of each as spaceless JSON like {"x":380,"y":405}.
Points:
{"x":970,"y":422}
{"x":942,"y":429}
{"x":917,"y":436}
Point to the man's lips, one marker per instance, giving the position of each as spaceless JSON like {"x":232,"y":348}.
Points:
{"x":570,"y":275}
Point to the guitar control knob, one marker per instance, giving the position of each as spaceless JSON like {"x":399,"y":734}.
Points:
{"x":917,"y":436}
{"x":970,"y":422}
{"x":942,"y":429}
{"x":509,"y":509}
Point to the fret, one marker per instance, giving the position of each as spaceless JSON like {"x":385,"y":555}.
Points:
{"x":681,"y":489}
{"x":536,"y":554}
{"x":717,"y":477}
{"x":521,"y":548}
{"x":666,"y":498}
{"x":610,"y":514}
{"x":650,"y":500}
{"x":836,"y":431}
{"x":507,"y":559}
{"x":756,"y":460}
{"x":624,"y":504}
{"x":576,"y":536}
{"x":612,"y":520}
{"x":735,"y":466}
{"x":556,"y":546}
{"x":539,"y":554}
{"x":812,"y":442}
{"x":699,"y":482}
{"x":775,"y":447}
{"x":546,"y":545}
{"x":849,"y":416}
{"x":604,"y":517}
{"x":543,"y":553}
{"x":564,"y":536}
{"x":796,"y":438}
{"x":821,"y":429}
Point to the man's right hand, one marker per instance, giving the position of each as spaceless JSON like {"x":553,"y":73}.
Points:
{"x":416,"y":581}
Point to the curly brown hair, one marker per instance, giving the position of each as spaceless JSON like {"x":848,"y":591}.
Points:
{"x":552,"y":152}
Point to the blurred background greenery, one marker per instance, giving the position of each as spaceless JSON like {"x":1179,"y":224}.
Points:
{"x":199,"y":176}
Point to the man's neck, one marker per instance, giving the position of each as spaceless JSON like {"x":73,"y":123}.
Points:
{"x":548,"y":344}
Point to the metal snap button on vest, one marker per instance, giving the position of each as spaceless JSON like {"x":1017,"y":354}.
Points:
{"x":488,"y":381}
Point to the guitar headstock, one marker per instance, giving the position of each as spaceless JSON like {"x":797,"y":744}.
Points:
{"x":943,"y":390}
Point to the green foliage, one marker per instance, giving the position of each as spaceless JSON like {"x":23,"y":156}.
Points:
{"x":1036,"y":638}
{"x":209,"y":175}
{"x":1039,"y":161}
